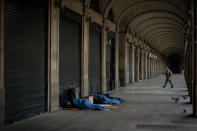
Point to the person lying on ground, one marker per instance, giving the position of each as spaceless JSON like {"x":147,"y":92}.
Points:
{"x":84,"y":103}
{"x":106,"y":99}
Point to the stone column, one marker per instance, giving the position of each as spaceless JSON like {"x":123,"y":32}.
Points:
{"x":85,"y":54}
{"x":137,"y":58}
{"x":153,"y":67}
{"x":53,"y":58}
{"x":195,"y":79}
{"x":103,"y":67}
{"x":145,"y":65}
{"x":117,"y":84}
{"x":128,"y":66}
{"x":148,"y":66}
{"x":123,"y":59}
{"x":132,"y":63}
{"x":142,"y":64}
{"x":2,"y":88}
{"x":194,"y":55}
{"x":161,"y":66}
{"x":156,"y":66}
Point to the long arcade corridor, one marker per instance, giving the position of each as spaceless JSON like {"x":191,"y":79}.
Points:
{"x":53,"y":52}
{"x":147,"y":107}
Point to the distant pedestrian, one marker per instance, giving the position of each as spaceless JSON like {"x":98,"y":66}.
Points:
{"x":168,"y":76}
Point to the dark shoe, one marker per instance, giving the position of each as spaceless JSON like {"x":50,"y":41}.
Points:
{"x":172,"y":87}
{"x":163,"y":86}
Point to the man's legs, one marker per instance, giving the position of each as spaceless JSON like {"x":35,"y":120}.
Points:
{"x":171,"y":84}
{"x":165,"y":84}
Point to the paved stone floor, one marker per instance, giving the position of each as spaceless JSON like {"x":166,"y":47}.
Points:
{"x":147,"y":107}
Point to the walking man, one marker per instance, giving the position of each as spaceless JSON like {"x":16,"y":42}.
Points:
{"x":168,"y":76}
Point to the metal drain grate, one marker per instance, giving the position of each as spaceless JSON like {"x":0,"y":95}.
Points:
{"x":153,"y":126}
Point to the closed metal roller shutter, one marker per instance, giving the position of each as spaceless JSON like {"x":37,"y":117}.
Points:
{"x":110,"y":71}
{"x":25,"y":60}
{"x":69,"y":53}
{"x":94,"y":68}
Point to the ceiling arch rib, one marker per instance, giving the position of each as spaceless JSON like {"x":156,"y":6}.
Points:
{"x":153,"y":11}
{"x":156,"y":32}
{"x":161,"y":46}
{"x":168,"y":45}
{"x":149,"y":25}
{"x":162,"y":35}
{"x":171,"y":47}
{"x":147,"y":28}
{"x":159,"y":28}
{"x":146,"y":32}
{"x":151,"y":19}
{"x":164,"y":41}
{"x":156,"y":16}
{"x":150,"y":3}
{"x":166,"y":38}
{"x":144,"y":1}
{"x":106,"y":4}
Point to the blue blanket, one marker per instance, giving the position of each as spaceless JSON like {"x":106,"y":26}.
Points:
{"x":106,"y":99}
{"x":84,"y":103}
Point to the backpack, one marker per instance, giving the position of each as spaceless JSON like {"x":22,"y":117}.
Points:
{"x":170,"y":73}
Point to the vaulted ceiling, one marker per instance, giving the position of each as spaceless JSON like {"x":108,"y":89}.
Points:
{"x":161,"y":23}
